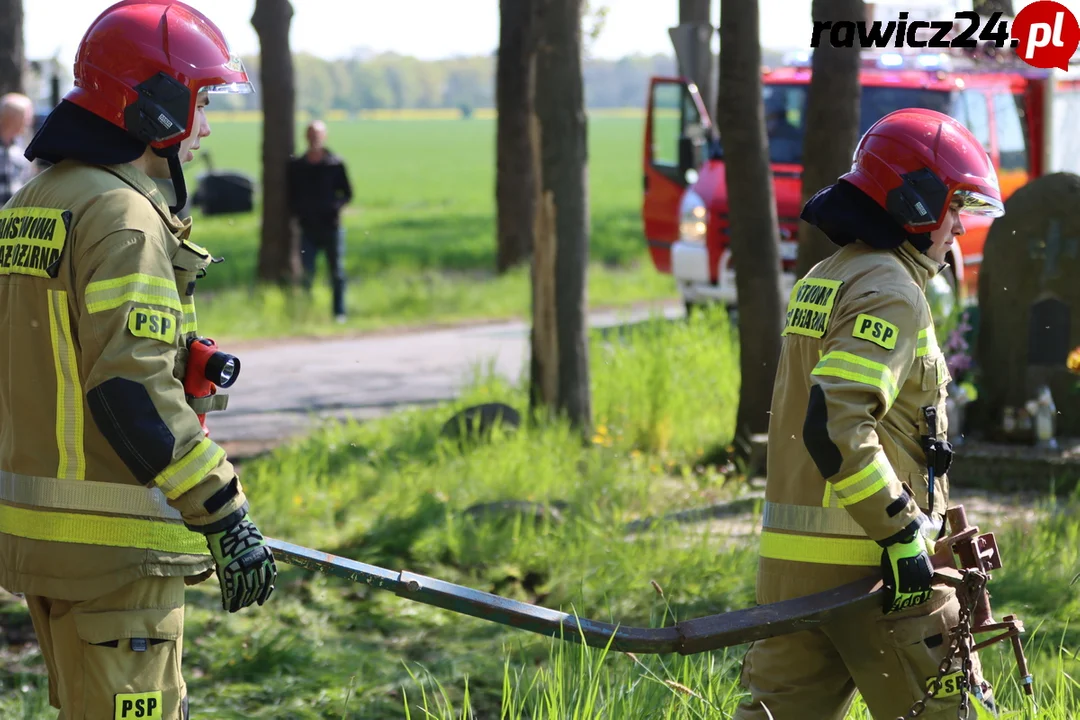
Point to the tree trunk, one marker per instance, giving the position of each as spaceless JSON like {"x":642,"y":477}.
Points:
{"x":755,"y":236}
{"x":989,"y":7}
{"x":560,"y":349}
{"x":515,"y":188}
{"x":11,"y":46}
{"x":279,"y":252}
{"x":693,"y":46}
{"x":832,"y":123}
{"x":694,"y":11}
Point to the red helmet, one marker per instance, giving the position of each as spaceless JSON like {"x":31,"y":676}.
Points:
{"x":916,"y":162}
{"x":142,"y":63}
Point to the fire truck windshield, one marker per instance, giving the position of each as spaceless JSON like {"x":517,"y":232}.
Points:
{"x":785,"y":113}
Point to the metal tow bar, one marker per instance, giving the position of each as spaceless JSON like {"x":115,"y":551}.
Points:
{"x":687,"y":637}
{"x":973,"y":551}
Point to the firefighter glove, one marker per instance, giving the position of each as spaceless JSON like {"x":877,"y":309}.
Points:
{"x":245,"y":565}
{"x":907,"y":572}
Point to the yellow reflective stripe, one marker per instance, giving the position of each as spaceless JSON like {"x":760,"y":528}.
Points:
{"x":927,"y":342}
{"x":189,"y":470}
{"x":125,"y":280}
{"x":826,"y":550}
{"x":69,"y":396}
{"x":137,"y":287}
{"x":100,"y":530}
{"x":190,"y":323}
{"x":848,"y":366}
{"x":809,"y":519}
{"x":866,"y":482}
{"x":829,"y":499}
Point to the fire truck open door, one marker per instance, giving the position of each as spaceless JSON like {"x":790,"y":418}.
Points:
{"x":678,"y":133}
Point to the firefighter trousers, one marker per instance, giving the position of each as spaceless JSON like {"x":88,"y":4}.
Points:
{"x":117,"y":656}
{"x":889,"y":659}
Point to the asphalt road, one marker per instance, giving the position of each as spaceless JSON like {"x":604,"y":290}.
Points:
{"x":286,"y":389}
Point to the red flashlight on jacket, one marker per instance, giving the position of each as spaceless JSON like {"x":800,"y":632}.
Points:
{"x":208,"y":368}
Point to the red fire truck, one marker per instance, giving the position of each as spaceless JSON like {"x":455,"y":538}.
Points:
{"x":1023,"y":116}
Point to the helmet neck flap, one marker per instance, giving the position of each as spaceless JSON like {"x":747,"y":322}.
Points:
{"x":846,"y":214}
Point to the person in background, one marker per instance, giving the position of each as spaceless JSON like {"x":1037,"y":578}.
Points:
{"x":16,"y":118}
{"x":318,"y":189}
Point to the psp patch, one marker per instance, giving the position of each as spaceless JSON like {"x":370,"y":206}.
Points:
{"x":878,"y":331}
{"x":810,"y":307}
{"x":950,"y":684}
{"x":138,"y":706}
{"x":153,"y":324}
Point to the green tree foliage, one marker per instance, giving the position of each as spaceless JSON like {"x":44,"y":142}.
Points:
{"x":392,"y":81}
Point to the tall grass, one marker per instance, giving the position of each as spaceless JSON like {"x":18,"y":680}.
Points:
{"x":394,"y":493}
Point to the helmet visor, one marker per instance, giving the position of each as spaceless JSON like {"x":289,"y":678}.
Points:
{"x":975,"y":203}
{"x":233,"y":88}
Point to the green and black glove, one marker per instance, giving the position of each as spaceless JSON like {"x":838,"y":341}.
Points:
{"x":907,"y":572}
{"x":245,"y":565}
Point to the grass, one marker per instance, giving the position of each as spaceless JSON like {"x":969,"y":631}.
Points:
{"x":421,"y":229}
{"x":392,"y":493}
{"x":403,"y":298}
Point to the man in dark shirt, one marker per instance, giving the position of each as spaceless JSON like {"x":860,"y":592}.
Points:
{"x":318,"y":190}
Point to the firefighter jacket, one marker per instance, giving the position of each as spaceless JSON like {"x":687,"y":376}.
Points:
{"x":847,"y":467}
{"x":105,"y":471}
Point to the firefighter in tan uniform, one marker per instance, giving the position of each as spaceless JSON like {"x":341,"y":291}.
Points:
{"x":112,"y":496}
{"x":857,"y":453}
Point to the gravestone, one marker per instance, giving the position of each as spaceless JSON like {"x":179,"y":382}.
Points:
{"x":1029,"y":300}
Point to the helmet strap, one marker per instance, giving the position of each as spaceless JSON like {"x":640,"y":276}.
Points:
{"x":176,"y":174}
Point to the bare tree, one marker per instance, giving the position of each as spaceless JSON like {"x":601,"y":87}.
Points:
{"x":755,"y":235}
{"x":279,"y":251}
{"x":694,"y":11}
{"x":832,"y":123}
{"x":692,"y":39}
{"x":12,"y":56}
{"x":515,"y":189}
{"x":560,"y":349}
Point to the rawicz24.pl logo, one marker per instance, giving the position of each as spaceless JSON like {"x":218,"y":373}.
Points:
{"x":1044,"y":34}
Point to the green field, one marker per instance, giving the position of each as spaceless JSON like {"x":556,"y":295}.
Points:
{"x":391,"y":493}
{"x":421,"y":230}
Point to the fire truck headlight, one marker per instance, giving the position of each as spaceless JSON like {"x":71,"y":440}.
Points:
{"x":692,"y":218}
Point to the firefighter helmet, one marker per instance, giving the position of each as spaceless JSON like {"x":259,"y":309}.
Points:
{"x":142,"y":63}
{"x":916,"y":162}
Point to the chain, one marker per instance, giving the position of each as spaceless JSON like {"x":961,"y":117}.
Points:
{"x":960,"y":640}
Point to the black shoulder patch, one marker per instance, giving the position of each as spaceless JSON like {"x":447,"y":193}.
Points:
{"x":126,"y":416}
{"x":816,"y":438}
